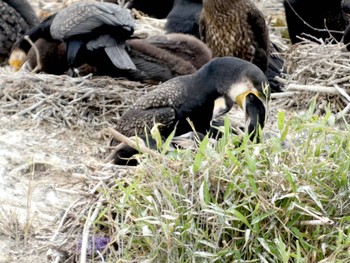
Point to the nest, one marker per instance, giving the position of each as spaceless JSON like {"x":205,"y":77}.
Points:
{"x":318,"y":70}
{"x":62,"y":100}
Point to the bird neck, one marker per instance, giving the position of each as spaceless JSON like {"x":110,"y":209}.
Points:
{"x":206,"y":84}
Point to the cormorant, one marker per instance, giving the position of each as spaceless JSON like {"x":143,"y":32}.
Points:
{"x":153,"y":64}
{"x":235,"y":28}
{"x":52,"y":57}
{"x":16,"y":18}
{"x":318,"y":18}
{"x":157,"y":59}
{"x":92,"y":31}
{"x":21,"y":47}
{"x":185,"y":46}
{"x":154,"y":8}
{"x":184,"y":17}
{"x":192,"y":97}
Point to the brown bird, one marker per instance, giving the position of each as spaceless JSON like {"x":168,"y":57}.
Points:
{"x":235,"y":28}
{"x":185,"y":46}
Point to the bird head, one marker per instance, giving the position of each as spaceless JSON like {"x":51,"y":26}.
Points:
{"x":17,"y":59}
{"x":241,"y":82}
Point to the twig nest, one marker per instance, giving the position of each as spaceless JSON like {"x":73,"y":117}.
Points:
{"x":311,"y":63}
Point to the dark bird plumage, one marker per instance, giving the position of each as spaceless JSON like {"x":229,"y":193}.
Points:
{"x":21,"y":48}
{"x":238,"y":28}
{"x":275,"y":67}
{"x":345,"y":6}
{"x":184,"y":17}
{"x":318,"y":18}
{"x":346,"y":38}
{"x":94,"y":30}
{"x":185,"y":46}
{"x":155,"y":65}
{"x":153,"y":8}
{"x":192,"y":97}
{"x":235,"y":28}
{"x":94,"y":33}
{"x":124,"y":153}
{"x":16,"y":18}
{"x":52,"y":57}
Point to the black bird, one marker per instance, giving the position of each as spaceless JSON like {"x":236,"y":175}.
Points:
{"x":184,"y":17}
{"x":153,"y":8}
{"x":346,"y":38}
{"x":93,"y":31}
{"x":192,"y":97}
{"x":275,"y":67}
{"x":157,"y":59}
{"x":345,"y":5}
{"x":16,"y":18}
{"x":318,"y":18}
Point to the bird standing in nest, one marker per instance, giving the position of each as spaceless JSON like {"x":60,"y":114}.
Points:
{"x":235,"y":28}
{"x":16,"y":18}
{"x":193,"y":97}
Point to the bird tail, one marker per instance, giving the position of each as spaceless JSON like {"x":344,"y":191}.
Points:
{"x":120,"y":57}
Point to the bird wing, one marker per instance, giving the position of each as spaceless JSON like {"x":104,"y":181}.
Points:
{"x":135,"y":121}
{"x":157,"y":106}
{"x":168,"y":94}
{"x":114,"y":50}
{"x":82,"y":18}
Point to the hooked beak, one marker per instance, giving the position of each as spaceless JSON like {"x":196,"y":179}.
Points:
{"x":17,"y":59}
{"x":255,"y":113}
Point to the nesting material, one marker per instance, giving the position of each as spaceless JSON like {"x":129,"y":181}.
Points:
{"x":316,"y":69}
{"x":66,"y":100}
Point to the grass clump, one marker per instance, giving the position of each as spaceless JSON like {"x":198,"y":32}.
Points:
{"x":283,"y":200}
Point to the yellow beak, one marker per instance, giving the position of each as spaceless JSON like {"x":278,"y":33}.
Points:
{"x":240,"y":98}
{"x":17,"y":59}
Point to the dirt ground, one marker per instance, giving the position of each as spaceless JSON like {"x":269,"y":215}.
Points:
{"x":43,"y":167}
